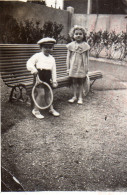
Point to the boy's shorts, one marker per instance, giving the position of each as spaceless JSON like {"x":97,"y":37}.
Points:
{"x":45,"y":75}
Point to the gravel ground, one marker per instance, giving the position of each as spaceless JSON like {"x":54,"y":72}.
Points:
{"x":84,"y":149}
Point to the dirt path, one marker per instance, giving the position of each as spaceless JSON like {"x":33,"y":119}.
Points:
{"x":84,"y":149}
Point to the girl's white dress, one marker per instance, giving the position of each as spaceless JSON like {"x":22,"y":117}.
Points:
{"x":78,"y":59}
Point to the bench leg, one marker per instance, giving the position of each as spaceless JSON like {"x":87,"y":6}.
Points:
{"x":15,"y":94}
{"x":11,"y":94}
{"x":91,"y":86}
{"x":18,"y":93}
{"x":32,"y":102}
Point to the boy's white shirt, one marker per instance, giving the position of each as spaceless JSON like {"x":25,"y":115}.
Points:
{"x":40,"y":61}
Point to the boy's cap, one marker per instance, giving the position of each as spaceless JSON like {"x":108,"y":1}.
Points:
{"x":46,"y":40}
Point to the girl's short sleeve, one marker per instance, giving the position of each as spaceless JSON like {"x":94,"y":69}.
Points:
{"x":71,"y":46}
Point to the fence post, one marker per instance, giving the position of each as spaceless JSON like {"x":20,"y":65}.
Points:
{"x":89,"y":4}
{"x":70,"y":14}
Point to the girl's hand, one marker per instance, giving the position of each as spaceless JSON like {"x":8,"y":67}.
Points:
{"x":54,"y":84}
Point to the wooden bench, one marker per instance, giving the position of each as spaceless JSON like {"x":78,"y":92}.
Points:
{"x":13,"y":58}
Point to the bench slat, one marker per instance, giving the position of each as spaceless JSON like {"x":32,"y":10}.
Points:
{"x":18,"y":81}
{"x":13,"y":75}
{"x":23,"y":64}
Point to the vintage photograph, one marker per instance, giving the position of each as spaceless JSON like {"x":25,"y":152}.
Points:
{"x":63,"y":78}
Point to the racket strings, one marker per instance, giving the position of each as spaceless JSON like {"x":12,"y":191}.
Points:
{"x":42,"y":95}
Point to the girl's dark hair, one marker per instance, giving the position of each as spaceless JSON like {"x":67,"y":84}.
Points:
{"x":76,"y":27}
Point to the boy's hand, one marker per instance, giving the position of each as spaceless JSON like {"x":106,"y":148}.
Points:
{"x":87,"y":72}
{"x":34,"y":72}
{"x":68,"y":71}
{"x":54,"y":84}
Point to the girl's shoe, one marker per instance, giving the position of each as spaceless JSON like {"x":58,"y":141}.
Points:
{"x":54,"y":112}
{"x":72,"y":100}
{"x":37,"y":114}
{"x":80,"y":101}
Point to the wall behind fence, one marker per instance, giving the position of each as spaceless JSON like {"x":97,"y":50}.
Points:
{"x":93,"y":22}
{"x":28,"y":11}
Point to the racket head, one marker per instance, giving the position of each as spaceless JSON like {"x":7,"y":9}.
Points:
{"x":42,"y":95}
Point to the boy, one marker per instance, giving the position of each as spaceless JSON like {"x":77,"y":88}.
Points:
{"x":44,"y":65}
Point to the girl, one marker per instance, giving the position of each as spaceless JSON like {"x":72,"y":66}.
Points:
{"x":44,"y":65}
{"x":77,"y":62}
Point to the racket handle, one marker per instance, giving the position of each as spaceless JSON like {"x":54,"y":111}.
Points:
{"x":37,"y":79}
{"x":34,"y":78}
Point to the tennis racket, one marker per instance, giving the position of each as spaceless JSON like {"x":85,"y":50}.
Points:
{"x":42,"y":94}
{"x":86,"y":87}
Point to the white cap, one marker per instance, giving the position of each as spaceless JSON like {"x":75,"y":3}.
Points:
{"x":47,"y":40}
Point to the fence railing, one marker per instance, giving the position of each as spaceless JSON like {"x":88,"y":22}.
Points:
{"x":108,"y":45}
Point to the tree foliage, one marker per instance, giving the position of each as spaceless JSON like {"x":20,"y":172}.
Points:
{"x":28,"y":32}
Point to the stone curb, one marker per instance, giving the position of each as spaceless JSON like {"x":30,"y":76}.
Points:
{"x":115,"y":62}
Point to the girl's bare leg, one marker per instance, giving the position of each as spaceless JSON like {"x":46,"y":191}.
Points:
{"x":74,"y":87}
{"x":80,"y":101}
{"x":80,"y":91}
